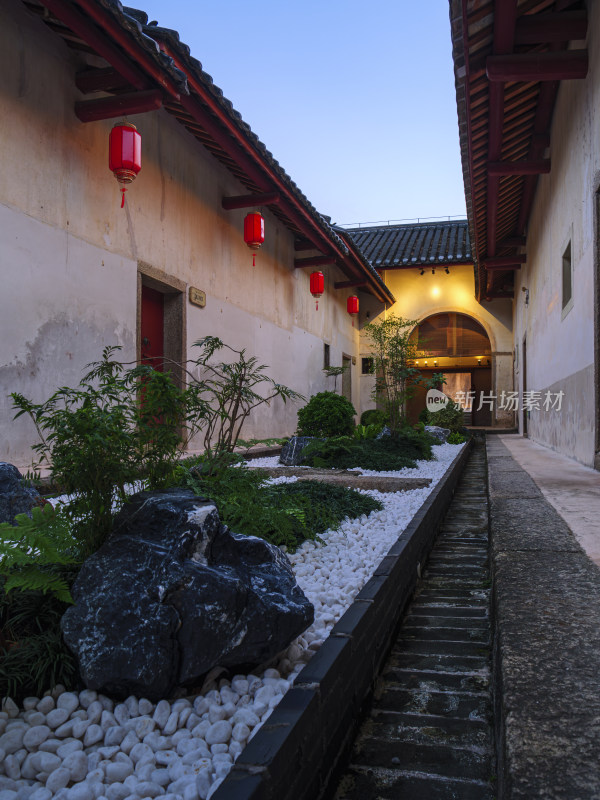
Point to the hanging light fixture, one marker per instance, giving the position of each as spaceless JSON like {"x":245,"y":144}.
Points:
{"x":317,"y":286}
{"x":125,"y":154}
{"x":254,"y":232}
{"x":352,"y":307}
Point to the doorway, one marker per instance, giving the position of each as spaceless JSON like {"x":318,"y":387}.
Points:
{"x":161,"y":322}
{"x":347,"y":377}
{"x":152,"y":328}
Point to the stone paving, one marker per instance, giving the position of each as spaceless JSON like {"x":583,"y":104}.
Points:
{"x":429,"y":734}
{"x":547,"y":642}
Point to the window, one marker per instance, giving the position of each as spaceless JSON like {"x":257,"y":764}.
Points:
{"x":567,"y":280}
{"x":326,"y":356}
{"x":367,"y":366}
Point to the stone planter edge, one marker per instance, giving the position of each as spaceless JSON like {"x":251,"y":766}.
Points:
{"x":296,"y":753}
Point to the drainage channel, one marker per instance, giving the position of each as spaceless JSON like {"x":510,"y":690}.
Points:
{"x":428,"y":735}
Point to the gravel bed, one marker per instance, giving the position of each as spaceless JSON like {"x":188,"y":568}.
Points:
{"x":87,"y":747}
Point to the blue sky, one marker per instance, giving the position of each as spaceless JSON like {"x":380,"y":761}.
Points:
{"x":355,"y":100}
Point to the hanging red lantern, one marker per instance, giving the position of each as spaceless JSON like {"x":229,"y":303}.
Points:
{"x":125,"y":154}
{"x":254,"y":232}
{"x":317,"y":285}
{"x":352,"y":307}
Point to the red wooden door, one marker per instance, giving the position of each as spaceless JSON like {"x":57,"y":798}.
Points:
{"x":152,"y":326}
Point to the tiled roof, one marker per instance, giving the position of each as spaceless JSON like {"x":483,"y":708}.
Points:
{"x":150,"y":37}
{"x":417,"y":245}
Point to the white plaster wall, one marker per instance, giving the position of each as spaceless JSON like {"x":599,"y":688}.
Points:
{"x":560,"y":347}
{"x":69,"y":254}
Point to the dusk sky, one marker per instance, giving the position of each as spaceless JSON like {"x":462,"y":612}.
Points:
{"x":355,"y":100}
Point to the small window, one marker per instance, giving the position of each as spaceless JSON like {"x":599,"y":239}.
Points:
{"x":567,"y":279}
{"x":367,"y":366}
{"x":326,"y":357}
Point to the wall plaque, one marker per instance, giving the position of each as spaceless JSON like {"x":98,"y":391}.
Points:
{"x":197,"y":297}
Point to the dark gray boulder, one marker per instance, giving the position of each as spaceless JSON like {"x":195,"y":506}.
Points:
{"x":15,"y":496}
{"x":291,"y":452}
{"x":173,"y":593}
{"x":441,"y":434}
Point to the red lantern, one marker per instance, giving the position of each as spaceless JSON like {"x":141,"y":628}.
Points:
{"x":254,"y":232}
{"x":317,"y":285}
{"x":352,"y":307}
{"x":125,"y":154}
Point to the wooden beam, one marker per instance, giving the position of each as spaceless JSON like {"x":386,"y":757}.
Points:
{"x":505,"y":262}
{"x":118,"y":105}
{"x":314,"y":261}
{"x":499,"y":295}
{"x":249,"y":200}
{"x":543,"y":28}
{"x":513,"y":241}
{"x":303,"y":244}
{"x":100,"y":80}
{"x":101,"y":43}
{"x":568,"y":65}
{"x":525,"y":166}
{"x":348,"y":284}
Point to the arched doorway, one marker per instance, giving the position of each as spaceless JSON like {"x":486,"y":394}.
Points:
{"x":457,"y":346}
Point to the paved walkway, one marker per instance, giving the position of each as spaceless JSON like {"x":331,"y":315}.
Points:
{"x":546,"y":605}
{"x":573,"y":490}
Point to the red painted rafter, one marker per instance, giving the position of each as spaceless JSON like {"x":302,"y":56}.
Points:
{"x":118,"y":105}
{"x":86,"y":30}
{"x":543,"y":28}
{"x":521,"y":167}
{"x":314,"y":261}
{"x":249,"y":200}
{"x":570,"y":65}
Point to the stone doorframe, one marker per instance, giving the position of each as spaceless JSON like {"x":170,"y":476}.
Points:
{"x":175,"y":307}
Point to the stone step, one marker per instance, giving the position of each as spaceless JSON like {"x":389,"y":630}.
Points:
{"x":429,"y":735}
{"x":459,"y":705}
{"x":361,"y":783}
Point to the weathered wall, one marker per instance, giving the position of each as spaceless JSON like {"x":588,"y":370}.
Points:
{"x":560,"y":344}
{"x":69,"y":255}
{"x":419,"y":296}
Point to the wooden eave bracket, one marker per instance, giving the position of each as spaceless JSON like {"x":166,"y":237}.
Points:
{"x":118,"y":105}
{"x":568,"y":65}
{"x":314,"y":261}
{"x":505,"y":262}
{"x":349,"y":284}
{"x":524,"y":166}
{"x":250,"y":200}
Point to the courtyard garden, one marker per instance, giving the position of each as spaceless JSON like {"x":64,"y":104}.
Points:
{"x":154,"y":608}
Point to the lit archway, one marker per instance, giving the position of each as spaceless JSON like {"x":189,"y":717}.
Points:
{"x":458,"y":346}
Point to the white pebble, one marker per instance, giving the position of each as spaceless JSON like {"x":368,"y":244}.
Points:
{"x":56,"y":717}
{"x":145,"y":707}
{"x":66,"y":729}
{"x":121,"y":713}
{"x":94,"y":711}
{"x":93,"y":735}
{"x":68,"y":747}
{"x":82,"y":791}
{"x":29,"y":703}
{"x":219,"y":732}
{"x":118,"y":772}
{"x":46,"y":704}
{"x":129,"y":741}
{"x":41,"y":794}
{"x":162,"y":712}
{"x":87,"y":697}
{"x":69,"y":701}
{"x":77,"y":764}
{"x":12,"y":768}
{"x":240,"y":732}
{"x":10,"y":707}
{"x":35,"y":736}
{"x":114,"y":736}
{"x":133,"y":706}
{"x":58,"y":779}
{"x":171,"y":725}
{"x":149,"y":789}
{"x":140,"y":752}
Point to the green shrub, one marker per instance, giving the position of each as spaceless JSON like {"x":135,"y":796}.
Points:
{"x":456,"y":438}
{"x":283,"y":514}
{"x":326,"y":414}
{"x":373,"y":416}
{"x":451,"y":416}
{"x":33,"y":655}
{"x":366,"y":431}
{"x":388,"y":453}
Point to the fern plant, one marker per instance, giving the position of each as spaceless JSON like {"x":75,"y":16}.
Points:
{"x":33,"y":549}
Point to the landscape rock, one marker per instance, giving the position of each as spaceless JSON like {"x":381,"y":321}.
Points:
{"x":441,"y":434}
{"x":15,"y":496}
{"x":384,"y":432}
{"x":196,"y":595}
{"x":291,"y":453}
